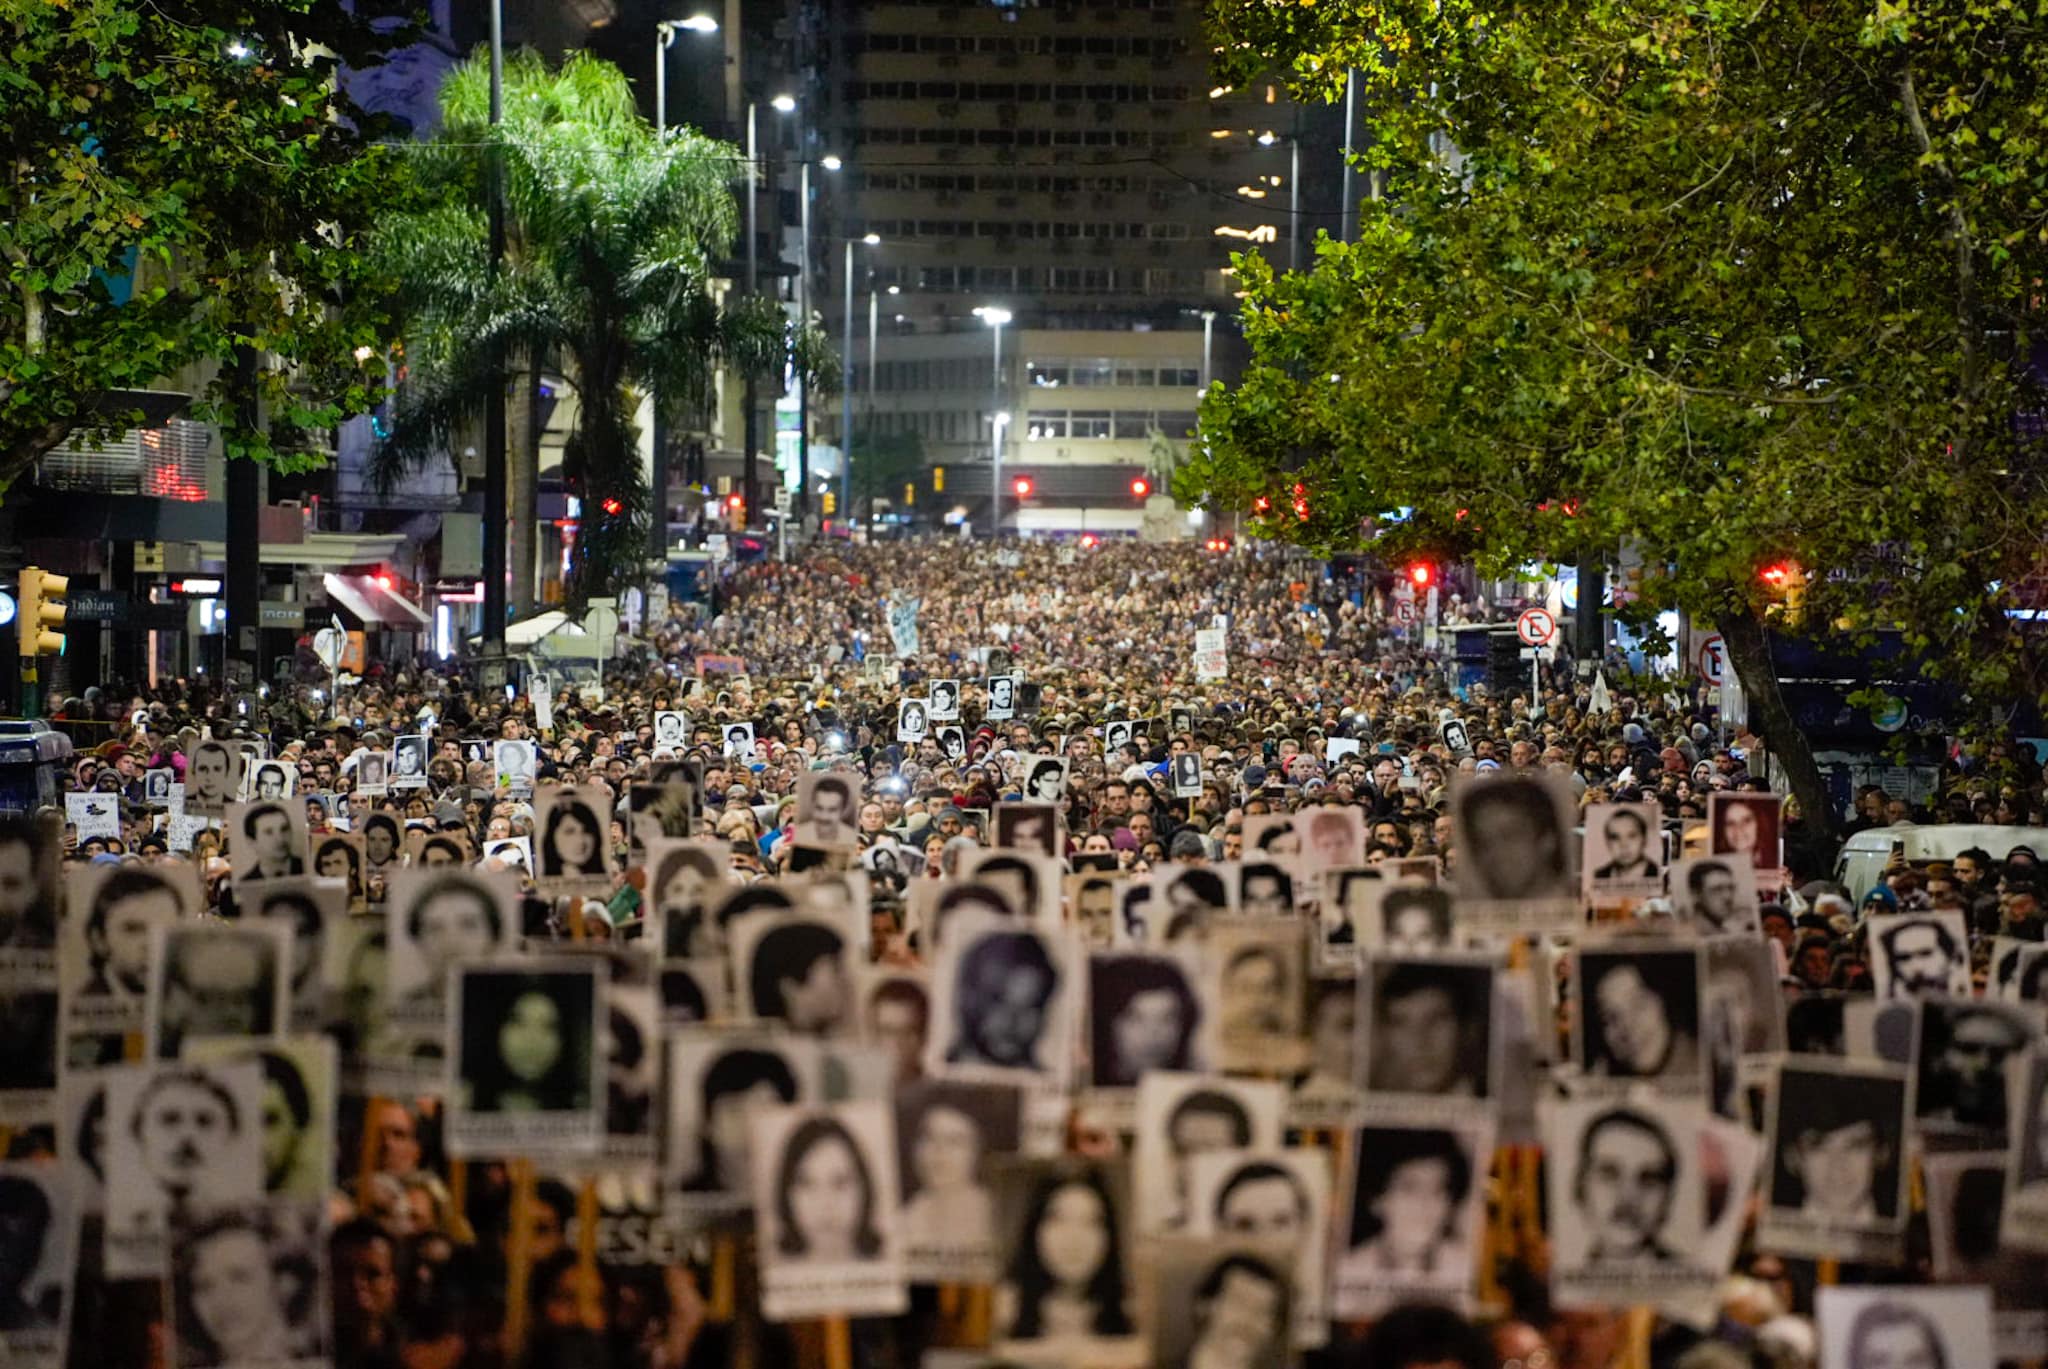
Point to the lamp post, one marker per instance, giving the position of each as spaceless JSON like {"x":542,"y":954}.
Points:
{"x":846,"y":372}
{"x":751,"y":485}
{"x":494,"y":401}
{"x":1267,"y":139}
{"x":664,"y":38}
{"x":995,"y":317}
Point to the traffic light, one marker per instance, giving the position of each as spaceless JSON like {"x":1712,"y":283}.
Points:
{"x":1140,"y":487}
{"x":1421,"y":574}
{"x":831,"y":503}
{"x":41,"y":612}
{"x":1023,"y":486}
{"x":612,"y":506}
{"x":938,"y":480}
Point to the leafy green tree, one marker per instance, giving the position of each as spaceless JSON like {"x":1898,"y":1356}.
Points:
{"x":183,"y":180}
{"x":883,"y":463}
{"x":1748,"y":283}
{"x":608,"y":284}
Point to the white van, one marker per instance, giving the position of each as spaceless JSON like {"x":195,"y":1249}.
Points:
{"x":1864,"y":856}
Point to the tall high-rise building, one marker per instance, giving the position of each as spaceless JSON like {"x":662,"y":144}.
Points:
{"x":1067,"y":167}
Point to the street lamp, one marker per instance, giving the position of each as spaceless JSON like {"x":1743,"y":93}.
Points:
{"x":846,"y":373}
{"x":664,"y":39}
{"x":1267,"y":139}
{"x":783,"y":104}
{"x":995,"y":317}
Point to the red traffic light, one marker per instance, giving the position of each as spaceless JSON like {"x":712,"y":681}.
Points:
{"x":1776,"y":575}
{"x":1140,"y":487}
{"x":1023,"y":486}
{"x":1420,"y":574}
{"x":733,"y":501}
{"x":613,"y":507}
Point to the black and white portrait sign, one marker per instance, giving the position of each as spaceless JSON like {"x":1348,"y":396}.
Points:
{"x":1042,"y":779}
{"x":1920,"y":955}
{"x":1145,"y":1013}
{"x":373,"y":773}
{"x":438,"y":918}
{"x":1116,"y":734}
{"x":2025,"y":1224}
{"x":825,"y":1210}
{"x":1027,"y":880}
{"x":179,"y":1139}
{"x":943,"y":701}
{"x":409,"y":761}
{"x":1276,"y":1196}
{"x":796,"y":970}
{"x":1001,"y":694}
{"x":270,"y":780}
{"x":952,"y":741}
{"x":266,"y":839}
{"x":1225,"y":1300}
{"x":213,"y":779}
{"x":913,"y":719}
{"x":39,"y":1223}
{"x":828,"y":808}
{"x":1410,"y":1224}
{"x":949,"y":1138}
{"x":1627,"y":1198}
{"x":218,"y":979}
{"x":516,"y":763}
{"x":298,"y":1102}
{"x":1397,"y":918}
{"x":1032,"y":827}
{"x":572,"y":840}
{"x":1066,"y":1293}
{"x":104,"y":953}
{"x":1258,"y":967}
{"x":1890,"y":1327}
{"x":1003,"y":1005}
{"x":1180,"y":1116}
{"x":1426,"y":1035}
{"x":1636,"y":1014}
{"x":248,"y":1286}
{"x":524,"y":1048}
{"x":1187,"y":775}
{"x":1623,"y":859}
{"x":1326,"y":838}
{"x":716,"y":1081}
{"x":1715,"y":895}
{"x":1836,"y":1186}
{"x":1965,"y":1046}
{"x":671,"y":731}
{"x":1512,"y":835}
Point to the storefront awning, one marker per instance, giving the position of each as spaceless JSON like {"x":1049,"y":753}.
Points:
{"x":372,"y":603}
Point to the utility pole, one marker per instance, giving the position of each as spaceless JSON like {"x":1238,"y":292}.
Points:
{"x":750,"y":477}
{"x":243,"y":663}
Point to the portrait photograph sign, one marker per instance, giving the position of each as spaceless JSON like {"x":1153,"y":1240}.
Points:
{"x":1146,"y":1013}
{"x":1180,"y":1116}
{"x":1281,"y":1197}
{"x":1512,"y":833}
{"x":1000,"y":694}
{"x":299,"y":1090}
{"x":1066,"y":1292}
{"x":913,"y":719}
{"x":2025,"y":1225}
{"x":1397,"y":918}
{"x":1410,"y":1226}
{"x":409,"y":755}
{"x":796,"y":970}
{"x":1222,"y":1300}
{"x":437,"y":918}
{"x":266,"y":839}
{"x":572,"y":840}
{"x":1715,"y":895}
{"x":1636,"y":1012}
{"x":1003,"y":1005}
{"x":104,"y":954}
{"x":1426,"y":1034}
{"x":1920,"y":954}
{"x":1623,"y":859}
{"x":1041,"y":779}
{"x":1747,"y":826}
{"x":39,"y":1229}
{"x":1627,"y":1198}
{"x":1033,"y":827}
{"x":1329,"y":838}
{"x":717,"y":1079}
{"x":828,"y":808}
{"x":179,"y":1138}
{"x":943,"y":701}
{"x":516,"y":763}
{"x":1258,"y":968}
{"x":949,"y":1140}
{"x":825,"y":1211}
{"x":213,"y":779}
{"x":218,"y":979}
{"x":1836,"y":1182}
{"x":1904,"y":1328}
{"x":671,"y":731}
{"x":525,"y":1051}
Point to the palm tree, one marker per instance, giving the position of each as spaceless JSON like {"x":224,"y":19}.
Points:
{"x":612,"y":233}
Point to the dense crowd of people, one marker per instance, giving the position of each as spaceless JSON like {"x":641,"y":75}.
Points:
{"x":830,"y":984}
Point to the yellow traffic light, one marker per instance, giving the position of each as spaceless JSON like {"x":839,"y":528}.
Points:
{"x":909,"y":493}
{"x":831,"y":503}
{"x":938,"y":480}
{"x":39,"y":611}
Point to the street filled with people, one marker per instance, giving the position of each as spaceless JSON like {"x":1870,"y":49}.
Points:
{"x":1036,"y":952}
